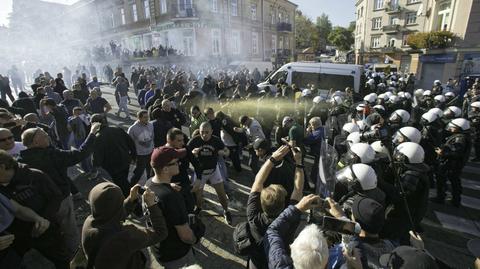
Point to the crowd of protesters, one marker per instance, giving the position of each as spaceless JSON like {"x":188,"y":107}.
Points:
{"x":115,"y":51}
{"x":388,"y":146}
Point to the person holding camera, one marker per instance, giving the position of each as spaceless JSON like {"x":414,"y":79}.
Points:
{"x":107,"y":241}
{"x":265,"y":204}
{"x":176,"y":250}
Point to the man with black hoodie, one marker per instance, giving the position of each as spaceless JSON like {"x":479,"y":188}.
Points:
{"x":33,"y":189}
{"x":55,"y":162}
{"x":114,"y":151}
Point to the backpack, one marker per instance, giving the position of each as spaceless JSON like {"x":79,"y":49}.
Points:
{"x":243,"y":242}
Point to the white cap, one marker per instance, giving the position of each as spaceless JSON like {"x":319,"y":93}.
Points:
{"x":413,"y":151}
{"x":364,"y":151}
{"x":350,"y":127}
{"x":451,"y":94}
{"x":437,"y":82}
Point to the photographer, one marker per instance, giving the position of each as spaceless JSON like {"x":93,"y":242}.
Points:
{"x":265,"y":204}
{"x":308,"y":251}
{"x":107,"y":242}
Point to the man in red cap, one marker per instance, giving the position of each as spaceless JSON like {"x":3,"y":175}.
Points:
{"x":176,"y":250}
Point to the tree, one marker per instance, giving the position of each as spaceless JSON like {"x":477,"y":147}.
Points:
{"x":342,"y":38}
{"x":324,"y":27}
{"x":431,"y":40}
{"x":305,"y":35}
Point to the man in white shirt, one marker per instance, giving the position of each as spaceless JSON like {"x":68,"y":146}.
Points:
{"x":254,"y":130}
{"x":142,"y":134}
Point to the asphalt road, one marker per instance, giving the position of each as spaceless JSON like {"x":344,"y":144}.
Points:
{"x":446,"y":229}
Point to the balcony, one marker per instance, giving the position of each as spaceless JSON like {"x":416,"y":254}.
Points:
{"x":391,"y":29}
{"x":284,"y":27}
{"x":392,"y":9}
{"x":184,"y":12}
{"x":384,"y":49}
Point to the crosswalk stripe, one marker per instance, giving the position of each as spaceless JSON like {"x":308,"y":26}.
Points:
{"x":468,"y":201}
{"x":458,"y":224}
{"x":470,"y":184}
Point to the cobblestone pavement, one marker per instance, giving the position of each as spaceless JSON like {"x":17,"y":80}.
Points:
{"x":447,"y":229}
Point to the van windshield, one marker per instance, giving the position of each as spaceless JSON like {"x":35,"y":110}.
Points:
{"x":322,"y":81}
{"x":278,"y":75}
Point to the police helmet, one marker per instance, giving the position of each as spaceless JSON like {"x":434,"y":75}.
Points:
{"x":400,"y":115}
{"x":358,"y":176}
{"x":350,"y":127}
{"x":452,"y":112}
{"x":406,"y":134}
{"x":409,"y":153}
{"x":460,"y":123}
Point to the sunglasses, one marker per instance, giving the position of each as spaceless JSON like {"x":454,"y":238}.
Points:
{"x":6,"y":138}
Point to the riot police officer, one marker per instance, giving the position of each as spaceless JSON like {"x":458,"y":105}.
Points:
{"x":453,"y":155}
{"x":474,"y":117}
{"x":432,"y":137}
{"x":339,"y":141}
{"x":408,"y":195}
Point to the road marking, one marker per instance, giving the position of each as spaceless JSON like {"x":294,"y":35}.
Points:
{"x":458,"y":224}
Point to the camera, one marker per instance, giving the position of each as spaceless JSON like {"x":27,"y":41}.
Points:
{"x":332,"y":224}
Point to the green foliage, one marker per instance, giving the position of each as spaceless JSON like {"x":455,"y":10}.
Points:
{"x":342,"y":38}
{"x":431,"y":40}
{"x":306,"y":34}
{"x":324,"y":27}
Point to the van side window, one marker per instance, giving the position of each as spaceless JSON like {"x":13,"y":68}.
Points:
{"x":337,"y":82}
{"x":305,"y":80}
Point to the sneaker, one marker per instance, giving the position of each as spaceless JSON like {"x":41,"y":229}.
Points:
{"x":228,"y":217}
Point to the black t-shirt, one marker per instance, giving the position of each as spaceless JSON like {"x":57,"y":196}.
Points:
{"x":208,"y":155}
{"x":173,"y":208}
{"x":96,"y":105}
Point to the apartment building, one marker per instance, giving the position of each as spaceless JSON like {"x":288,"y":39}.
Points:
{"x":255,"y":30}
{"x":383,"y":26}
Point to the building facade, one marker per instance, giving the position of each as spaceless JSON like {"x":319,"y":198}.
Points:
{"x":253,"y":30}
{"x":383,"y":26}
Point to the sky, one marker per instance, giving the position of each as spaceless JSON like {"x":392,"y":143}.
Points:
{"x":340,"y":12}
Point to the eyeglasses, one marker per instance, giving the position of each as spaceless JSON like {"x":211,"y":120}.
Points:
{"x":6,"y":138}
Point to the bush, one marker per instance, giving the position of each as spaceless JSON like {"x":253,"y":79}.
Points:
{"x":431,"y":40}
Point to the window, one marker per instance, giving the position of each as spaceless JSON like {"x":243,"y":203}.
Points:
{"x":163,"y":6}
{"x":215,"y":41}
{"x":404,"y":40}
{"x":377,"y":4}
{"x":413,"y":1}
{"x":146,"y":7}
{"x":235,"y":42}
{"x":134,"y":12}
{"x":443,"y":17}
{"x":188,"y":45}
{"x":280,"y":42}
{"x":185,"y":6}
{"x":254,"y":43}
{"x":254,"y":11}
{"x":361,"y":12}
{"x":278,"y":75}
{"x":215,"y":6}
{"x":393,"y":4}
{"x":393,"y":20}
{"x":287,"y":43}
{"x":280,"y":16}
{"x":272,"y":16}
{"x":274,"y":43}
{"x":375,"y":42}
{"x":411,"y":18}
{"x":391,"y":42}
{"x":322,"y":81}
{"x":377,"y":23}
{"x":234,"y":8}
{"x":122,"y":14}
{"x":112,"y":18}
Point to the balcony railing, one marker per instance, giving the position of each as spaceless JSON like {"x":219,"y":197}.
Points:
{"x":284,"y":27}
{"x":393,"y":8}
{"x":393,"y":28}
{"x":184,"y":11}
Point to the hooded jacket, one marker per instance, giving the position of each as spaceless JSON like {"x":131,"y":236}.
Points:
{"x":106,"y":241}
{"x":54,"y":162}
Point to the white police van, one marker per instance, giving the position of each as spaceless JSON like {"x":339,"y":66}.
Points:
{"x":324,"y":76}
